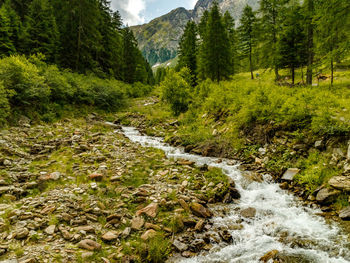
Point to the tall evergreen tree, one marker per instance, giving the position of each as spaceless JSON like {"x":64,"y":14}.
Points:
{"x":292,"y":45}
{"x":309,"y":9}
{"x":7,"y":47}
{"x":332,"y":24}
{"x":40,"y":30}
{"x":202,"y":26}
{"x":230,"y":25}
{"x":271,"y":12}
{"x":188,"y":48}
{"x":129,"y":55}
{"x":215,"y":51}
{"x":247,"y":34}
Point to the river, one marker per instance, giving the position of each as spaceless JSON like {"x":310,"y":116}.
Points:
{"x":281,"y":223}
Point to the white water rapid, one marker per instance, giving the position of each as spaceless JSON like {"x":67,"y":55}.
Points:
{"x":309,"y":237}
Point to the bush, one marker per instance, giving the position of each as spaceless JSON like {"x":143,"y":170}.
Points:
{"x":177,"y":91}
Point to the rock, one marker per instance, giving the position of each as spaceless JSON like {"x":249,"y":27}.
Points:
{"x":268,"y":256}
{"x":114,"y":216}
{"x":184,"y":205}
{"x":21,"y":233}
{"x":152,"y":226}
{"x":348,"y":153}
{"x":137,"y":223}
{"x":249,"y":212}
{"x":327,"y":196}
{"x":126,"y":232}
{"x":50,"y":230}
{"x":345,"y":214}
{"x":55,"y":176}
{"x":96,"y":176}
{"x":290,"y":174}
{"x":200,"y":210}
{"x":7,"y":162}
{"x":151,"y":210}
{"x":199,"y":226}
{"x":87,"y":229}
{"x":226,"y":236}
{"x":262,"y":151}
{"x":27,"y":260}
{"x":180,"y":246}
{"x":110,"y":236}
{"x":148,"y":234}
{"x":319,"y":144}
{"x":340,"y":183}
{"x":89,"y":244}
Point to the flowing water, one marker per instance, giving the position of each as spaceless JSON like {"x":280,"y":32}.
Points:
{"x":307,"y":237}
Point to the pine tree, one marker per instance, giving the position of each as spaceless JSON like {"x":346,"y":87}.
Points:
{"x":271,"y":12}
{"x":40,"y":30}
{"x":292,"y":45}
{"x":309,"y":9}
{"x":247,"y":35}
{"x":6,"y":45}
{"x":230,"y":25}
{"x":188,"y":48}
{"x":129,"y":55}
{"x":202,"y":26}
{"x":215,"y":51}
{"x":332,"y":23}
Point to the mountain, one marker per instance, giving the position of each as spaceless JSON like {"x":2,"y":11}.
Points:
{"x":158,"y":40}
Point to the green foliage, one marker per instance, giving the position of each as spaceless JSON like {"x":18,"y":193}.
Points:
{"x":31,"y":87}
{"x":176,"y":90}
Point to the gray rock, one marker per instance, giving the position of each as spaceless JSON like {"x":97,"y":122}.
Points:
{"x":290,"y":174}
{"x":21,"y":233}
{"x":340,"y":182}
{"x":249,"y":212}
{"x":345,"y":214}
{"x":348,"y":153}
{"x":318,"y":144}
{"x":180,"y":246}
{"x":50,"y":230}
{"x":327,"y":196}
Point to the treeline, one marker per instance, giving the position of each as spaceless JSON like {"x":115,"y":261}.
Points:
{"x":285,"y":34}
{"x":83,"y":35}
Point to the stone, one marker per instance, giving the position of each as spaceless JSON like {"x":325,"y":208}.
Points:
{"x":96,"y":176}
{"x":184,"y":205}
{"x":290,"y":174}
{"x":340,"y":183}
{"x":148,"y":234}
{"x":226,"y":236}
{"x":200,"y":210}
{"x":27,"y":260}
{"x":327,"y":196}
{"x":268,"y":256}
{"x":50,"y":230}
{"x":7,"y":162}
{"x":126,"y":232}
{"x":87,"y":229}
{"x":345,"y":214}
{"x":348,"y":152}
{"x":55,"y":176}
{"x":180,"y":246}
{"x":319,"y":144}
{"x":151,"y":210}
{"x":110,"y":236}
{"x":89,"y":244}
{"x":137,"y":223}
{"x":21,"y":233}
{"x":152,"y":226}
{"x":114,"y":216}
{"x":248,"y":212}
{"x":199,"y":226}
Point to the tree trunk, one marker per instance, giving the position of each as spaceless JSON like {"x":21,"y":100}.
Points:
{"x":251,"y":62}
{"x":332,"y":70}
{"x":276,"y":73}
{"x":310,"y":42}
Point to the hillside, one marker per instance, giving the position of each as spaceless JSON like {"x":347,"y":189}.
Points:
{"x":158,"y":40}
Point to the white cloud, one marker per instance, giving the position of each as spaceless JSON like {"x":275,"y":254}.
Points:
{"x":193,"y":3}
{"x":130,"y":10}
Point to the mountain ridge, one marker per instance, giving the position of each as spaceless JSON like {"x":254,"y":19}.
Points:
{"x":158,"y":39}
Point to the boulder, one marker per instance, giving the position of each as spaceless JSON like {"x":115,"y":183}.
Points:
{"x":180,"y":246}
{"x":137,"y":223}
{"x":340,"y":182}
{"x":249,"y":212}
{"x":327,"y":196}
{"x":345,"y":214}
{"x":200,"y":210}
{"x":21,"y":233}
{"x":290,"y":174}
{"x":89,"y":244}
{"x":50,"y":230}
{"x":110,"y":236}
{"x":148,"y":234}
{"x":151,"y":210}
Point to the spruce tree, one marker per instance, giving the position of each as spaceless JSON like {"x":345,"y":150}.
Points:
{"x":40,"y":30}
{"x":7,"y":47}
{"x":292,"y":43}
{"x":202,"y":26}
{"x":215,"y":51}
{"x":230,"y":25}
{"x":271,"y":12}
{"x":188,"y":50}
{"x":332,"y":23}
{"x":247,"y":35}
{"x":309,"y":9}
{"x":129,"y":55}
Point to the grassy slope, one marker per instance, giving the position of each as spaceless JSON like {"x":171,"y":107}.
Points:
{"x":238,"y":117}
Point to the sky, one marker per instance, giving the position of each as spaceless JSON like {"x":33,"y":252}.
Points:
{"x":135,"y":12}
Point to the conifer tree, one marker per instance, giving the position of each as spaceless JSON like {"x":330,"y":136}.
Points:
{"x":202,"y":26}
{"x":292,"y":44}
{"x":6,"y":45}
{"x":40,"y":30}
{"x":247,"y":34}
{"x":309,"y":9}
{"x":129,"y":55}
{"x":271,"y":12}
{"x":215,"y":51}
{"x":188,"y":50}
{"x":229,"y":23}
